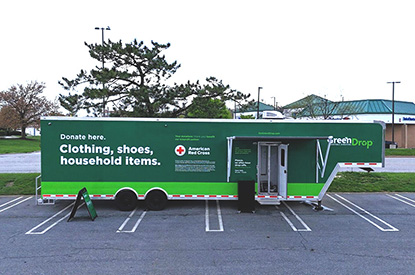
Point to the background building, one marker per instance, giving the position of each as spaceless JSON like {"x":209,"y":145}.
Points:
{"x":315,"y":107}
{"x":253,"y":111}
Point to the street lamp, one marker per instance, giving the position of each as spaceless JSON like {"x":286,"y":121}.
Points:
{"x":393,"y":109}
{"x":257,"y":111}
{"x":103,"y":63}
{"x":102,"y":30}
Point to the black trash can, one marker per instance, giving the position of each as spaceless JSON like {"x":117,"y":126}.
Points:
{"x":246,"y":196}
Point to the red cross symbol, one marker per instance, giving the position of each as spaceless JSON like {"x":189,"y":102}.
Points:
{"x":180,"y":150}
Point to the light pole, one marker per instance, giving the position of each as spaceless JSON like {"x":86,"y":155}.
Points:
{"x":103,"y":63}
{"x":275,"y":106}
{"x":102,"y":30}
{"x":257,"y":110}
{"x":393,"y":109}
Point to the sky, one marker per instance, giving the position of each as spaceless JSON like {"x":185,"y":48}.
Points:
{"x":337,"y":49}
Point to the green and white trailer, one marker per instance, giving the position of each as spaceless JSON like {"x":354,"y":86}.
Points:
{"x":130,"y":159}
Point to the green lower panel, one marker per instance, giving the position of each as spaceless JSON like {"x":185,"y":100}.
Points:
{"x":200,"y":188}
{"x":182,"y":188}
{"x":304,"y":189}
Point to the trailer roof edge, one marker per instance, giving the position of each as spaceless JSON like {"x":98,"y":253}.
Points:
{"x":198,"y":120}
{"x":277,"y":137}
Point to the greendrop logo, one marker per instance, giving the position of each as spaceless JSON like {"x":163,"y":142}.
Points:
{"x":346,"y":141}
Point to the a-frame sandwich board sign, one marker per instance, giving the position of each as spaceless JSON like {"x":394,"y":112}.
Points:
{"x":83,"y":193}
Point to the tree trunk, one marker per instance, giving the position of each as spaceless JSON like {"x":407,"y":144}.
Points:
{"x":23,"y":136}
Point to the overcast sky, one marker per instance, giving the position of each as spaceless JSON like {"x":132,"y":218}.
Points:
{"x":290,"y":48}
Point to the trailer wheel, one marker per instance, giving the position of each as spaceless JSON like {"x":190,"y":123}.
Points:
{"x":156,"y":200}
{"x":126,"y":200}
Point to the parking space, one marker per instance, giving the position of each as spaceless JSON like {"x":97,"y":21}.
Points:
{"x":372,"y":226}
{"x":363,"y":213}
{"x":349,"y":211}
{"x":10,"y":202}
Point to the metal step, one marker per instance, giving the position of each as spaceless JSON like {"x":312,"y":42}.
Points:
{"x":45,"y":201}
{"x":269,"y":202}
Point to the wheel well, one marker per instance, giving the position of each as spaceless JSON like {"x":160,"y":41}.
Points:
{"x":126,"y":189}
{"x":156,"y":189}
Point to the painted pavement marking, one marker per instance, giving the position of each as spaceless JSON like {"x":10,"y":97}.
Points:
{"x":391,"y":228}
{"x":13,"y":205}
{"x":33,"y":232}
{"x":207,"y":221}
{"x":121,"y":229}
{"x":402,"y":199}
{"x":290,"y":223}
{"x":10,"y":201}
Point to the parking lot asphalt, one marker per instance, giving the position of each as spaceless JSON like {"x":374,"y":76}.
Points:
{"x":357,"y":233}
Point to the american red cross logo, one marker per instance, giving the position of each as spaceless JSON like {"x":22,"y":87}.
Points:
{"x":180,"y":150}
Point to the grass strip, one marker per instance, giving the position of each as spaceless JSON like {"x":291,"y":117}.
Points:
{"x":400,"y":152}
{"x":17,"y":145}
{"x":373,"y":182}
{"x":17,"y":184}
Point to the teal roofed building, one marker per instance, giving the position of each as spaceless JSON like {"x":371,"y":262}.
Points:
{"x":376,"y":107}
{"x":264,"y":110}
{"x":315,"y":107}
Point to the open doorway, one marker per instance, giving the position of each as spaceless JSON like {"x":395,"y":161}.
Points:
{"x":272,"y":168}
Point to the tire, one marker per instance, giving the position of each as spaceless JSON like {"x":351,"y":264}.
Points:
{"x":156,"y":200}
{"x":126,"y":200}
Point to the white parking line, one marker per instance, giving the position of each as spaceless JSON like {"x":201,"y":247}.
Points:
{"x":401,"y":200}
{"x":306,"y":227}
{"x":30,"y":232}
{"x":120,"y":230}
{"x":4,"y":209}
{"x":10,"y":201}
{"x":406,"y":198}
{"x":219,"y":218}
{"x":288,"y":221}
{"x":391,"y":228}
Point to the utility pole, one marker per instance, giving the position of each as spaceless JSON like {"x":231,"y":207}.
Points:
{"x":103,"y":64}
{"x":393,"y":109}
{"x":275,"y":106}
{"x":257,"y":111}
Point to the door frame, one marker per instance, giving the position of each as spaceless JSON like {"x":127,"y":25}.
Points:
{"x":280,"y":171}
